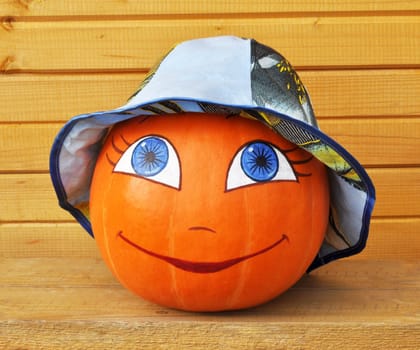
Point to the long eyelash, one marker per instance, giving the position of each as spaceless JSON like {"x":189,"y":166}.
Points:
{"x":109,"y":160}
{"x":298,"y":162}
{"x":303,"y":161}
{"x":289,"y":150}
{"x":116,"y":149}
{"x":302,"y":174}
{"x":114,"y":146}
{"x":125,"y":141}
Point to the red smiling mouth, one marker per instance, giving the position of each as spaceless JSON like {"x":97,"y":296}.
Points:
{"x":202,"y":267}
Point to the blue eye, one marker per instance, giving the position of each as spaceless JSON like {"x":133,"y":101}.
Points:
{"x":259,"y":161}
{"x":150,"y":156}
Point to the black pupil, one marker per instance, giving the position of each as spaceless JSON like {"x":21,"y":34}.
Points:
{"x":261,"y":161}
{"x":150,"y":157}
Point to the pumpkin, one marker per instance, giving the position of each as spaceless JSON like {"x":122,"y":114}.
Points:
{"x":206,"y":212}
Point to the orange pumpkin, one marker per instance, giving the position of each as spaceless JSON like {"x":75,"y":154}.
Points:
{"x":205,"y":212}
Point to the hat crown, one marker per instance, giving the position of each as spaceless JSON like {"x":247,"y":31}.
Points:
{"x":228,"y":71}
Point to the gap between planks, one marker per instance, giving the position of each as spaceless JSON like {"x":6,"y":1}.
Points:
{"x":8,"y":20}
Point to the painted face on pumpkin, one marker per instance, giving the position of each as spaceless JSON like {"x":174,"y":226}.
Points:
{"x":206,"y":212}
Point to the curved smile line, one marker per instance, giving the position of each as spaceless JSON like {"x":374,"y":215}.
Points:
{"x":202,"y":267}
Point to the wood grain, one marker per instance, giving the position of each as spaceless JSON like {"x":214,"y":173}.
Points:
{"x":43,"y":240}
{"x":192,"y":334}
{"x":76,"y":303}
{"x":380,"y":41}
{"x":334,"y":93}
{"x":374,"y":142}
{"x":393,"y":238}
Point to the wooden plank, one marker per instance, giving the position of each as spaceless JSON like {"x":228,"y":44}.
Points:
{"x":393,"y":238}
{"x":48,"y":240}
{"x":92,"y":273}
{"x":352,"y":93}
{"x":397,"y":191}
{"x":66,"y":303}
{"x":389,"y":238}
{"x":30,"y":197}
{"x":328,"y":290}
{"x":30,"y":8}
{"x":56,"y":97}
{"x":378,"y":141}
{"x":26,"y":147}
{"x":342,"y":93}
{"x":306,"y":42}
{"x":375,"y":142}
{"x":170,"y":333}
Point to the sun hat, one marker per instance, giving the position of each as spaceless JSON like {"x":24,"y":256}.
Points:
{"x":227,"y":75}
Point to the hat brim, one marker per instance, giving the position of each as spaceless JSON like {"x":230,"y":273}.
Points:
{"x":76,"y":147}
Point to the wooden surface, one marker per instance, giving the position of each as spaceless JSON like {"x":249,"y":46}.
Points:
{"x":360,"y":62}
{"x":57,"y":303}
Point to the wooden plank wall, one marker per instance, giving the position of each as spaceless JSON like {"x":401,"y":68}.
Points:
{"x":360,"y":61}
